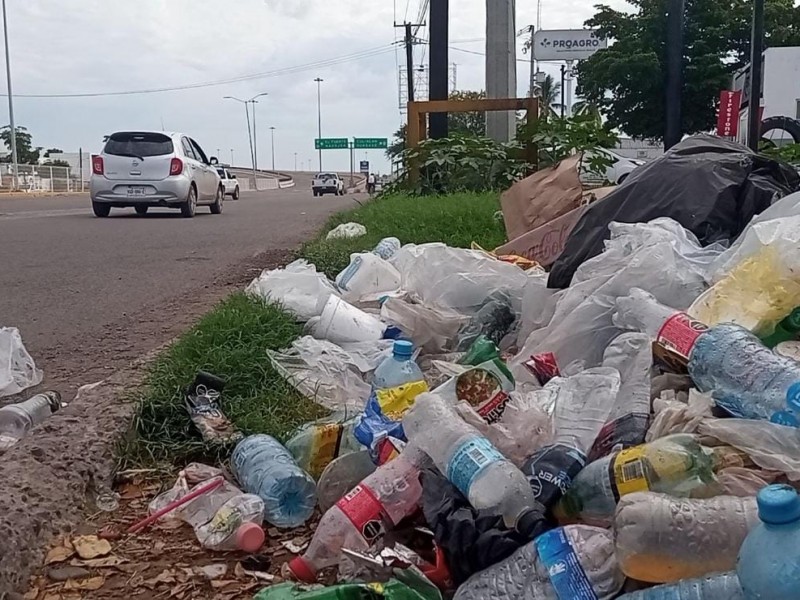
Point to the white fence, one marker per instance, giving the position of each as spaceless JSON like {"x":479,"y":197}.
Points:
{"x":40,"y":179}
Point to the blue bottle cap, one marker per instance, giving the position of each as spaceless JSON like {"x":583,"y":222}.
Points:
{"x":403,"y":348}
{"x":793,"y":396}
{"x":778,"y":504}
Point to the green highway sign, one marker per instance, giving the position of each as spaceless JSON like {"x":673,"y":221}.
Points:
{"x":331,"y":144}
{"x":370,"y":143}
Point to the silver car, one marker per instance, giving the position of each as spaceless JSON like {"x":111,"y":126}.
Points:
{"x":152,"y":168}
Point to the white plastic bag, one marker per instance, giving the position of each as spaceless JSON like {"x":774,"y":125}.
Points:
{"x":17,"y":369}
{"x":367,"y":278}
{"x":345,"y":231}
{"x":298,"y":287}
{"x":433,"y":330}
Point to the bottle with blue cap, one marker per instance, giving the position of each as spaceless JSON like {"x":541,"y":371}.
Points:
{"x":769,"y":561}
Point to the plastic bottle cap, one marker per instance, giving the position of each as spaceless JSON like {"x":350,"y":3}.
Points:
{"x":301,"y":571}
{"x":531,"y":524}
{"x":249,"y":537}
{"x":793,"y":396}
{"x":778,"y":504}
{"x":403,"y":348}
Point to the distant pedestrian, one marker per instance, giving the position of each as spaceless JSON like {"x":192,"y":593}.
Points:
{"x":371,"y":183}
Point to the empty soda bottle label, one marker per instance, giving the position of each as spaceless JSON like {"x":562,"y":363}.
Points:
{"x":327,"y":441}
{"x":785,"y":418}
{"x":543,"y":366}
{"x":563,"y":566}
{"x":469,"y":460}
{"x":365,"y":512}
{"x":396,"y":402}
{"x":550,"y":472}
{"x":628,"y":471}
{"x":679,"y":334}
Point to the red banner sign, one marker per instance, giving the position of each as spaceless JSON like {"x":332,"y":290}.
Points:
{"x":728,"y":117}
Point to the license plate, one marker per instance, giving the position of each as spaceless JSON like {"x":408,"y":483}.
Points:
{"x":136,"y":190}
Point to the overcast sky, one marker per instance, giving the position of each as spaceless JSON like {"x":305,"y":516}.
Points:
{"x":100,"y":46}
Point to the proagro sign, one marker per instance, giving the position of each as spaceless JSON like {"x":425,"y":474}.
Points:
{"x":566,"y":44}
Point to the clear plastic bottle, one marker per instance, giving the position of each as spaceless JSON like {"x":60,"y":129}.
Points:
{"x":315,"y":445}
{"x":722,"y":586}
{"x":397,"y":369}
{"x":583,"y":403}
{"x":674,"y":465}
{"x":225,"y":519}
{"x":16,"y":420}
{"x":769,"y":561}
{"x":788,"y":329}
{"x":662,"y":539}
{"x":471,"y":463}
{"x":574,"y":562}
{"x":265,"y":468}
{"x":381,"y":501}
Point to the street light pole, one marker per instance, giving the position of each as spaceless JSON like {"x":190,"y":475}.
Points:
{"x":756,"y":74}
{"x":295,"y":162}
{"x":14,"y":179}
{"x":231,"y":156}
{"x":251,"y":135}
{"x":272,"y":131}
{"x":319,"y":117}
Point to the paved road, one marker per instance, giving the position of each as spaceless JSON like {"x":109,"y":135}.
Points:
{"x":92,"y":294}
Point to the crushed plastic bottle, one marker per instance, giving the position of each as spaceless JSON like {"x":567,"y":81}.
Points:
{"x":361,"y":517}
{"x":674,"y":465}
{"x":387,"y":248}
{"x":16,"y":420}
{"x":723,"y":586}
{"x":582,"y":406}
{"x":225,"y":519}
{"x":662,"y":539}
{"x":315,"y":445}
{"x":471,"y":463}
{"x":769,"y":561}
{"x":569,"y":563}
{"x":265,"y":468}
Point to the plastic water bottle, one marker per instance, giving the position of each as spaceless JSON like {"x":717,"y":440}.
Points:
{"x":663,"y":539}
{"x":574,"y":562}
{"x":723,"y":586}
{"x":632,"y":355}
{"x":16,"y":420}
{"x":361,"y":517}
{"x":225,"y":519}
{"x":387,"y":248}
{"x":769,"y":561}
{"x":315,"y":445}
{"x":583,"y":404}
{"x":471,"y":463}
{"x":674,"y":465}
{"x":265,"y":468}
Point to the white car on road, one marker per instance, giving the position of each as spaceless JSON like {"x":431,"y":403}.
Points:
{"x":328,"y":183}
{"x":229,"y":182}
{"x":616,"y":173}
{"x":152,"y":168}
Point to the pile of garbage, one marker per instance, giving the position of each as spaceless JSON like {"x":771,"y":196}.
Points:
{"x":635,"y":434}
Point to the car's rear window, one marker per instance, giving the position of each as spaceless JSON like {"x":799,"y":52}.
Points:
{"x":326,"y":176}
{"x":139,"y":144}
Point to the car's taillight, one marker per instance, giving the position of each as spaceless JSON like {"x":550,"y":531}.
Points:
{"x":97,"y":165}
{"x":176,"y":166}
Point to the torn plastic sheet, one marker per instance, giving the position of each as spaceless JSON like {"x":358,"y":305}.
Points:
{"x":17,"y":369}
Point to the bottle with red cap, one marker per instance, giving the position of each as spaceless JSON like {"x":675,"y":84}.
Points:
{"x":360,"y":518}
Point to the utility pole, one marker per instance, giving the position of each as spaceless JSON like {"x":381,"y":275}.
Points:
{"x":251,"y":136}
{"x":439,"y":76}
{"x":757,"y":50}
{"x":295,"y":162}
{"x":272,"y":131}
{"x":501,"y":66}
{"x":674,"y":79}
{"x":319,"y":117}
{"x":352,"y":163}
{"x":563,"y":70}
{"x":14,"y":160}
{"x":532,"y":84}
{"x":409,"y":43}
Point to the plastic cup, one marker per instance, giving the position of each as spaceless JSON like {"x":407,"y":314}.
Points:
{"x":343,"y":323}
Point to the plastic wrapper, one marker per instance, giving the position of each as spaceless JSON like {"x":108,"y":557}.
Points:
{"x":485,"y":388}
{"x":298,"y":288}
{"x":189,"y":477}
{"x":17,"y":369}
{"x":346,"y":231}
{"x":493,"y":320}
{"x":334,"y":376}
{"x":538,"y":305}
{"x":432,"y":329}
{"x":673,"y":416}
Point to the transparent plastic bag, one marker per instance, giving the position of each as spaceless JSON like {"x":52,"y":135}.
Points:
{"x":432,"y":329}
{"x":298,"y":288}
{"x":17,"y":369}
{"x":673,"y":416}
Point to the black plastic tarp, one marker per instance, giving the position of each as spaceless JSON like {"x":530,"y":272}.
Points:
{"x":711,"y":186}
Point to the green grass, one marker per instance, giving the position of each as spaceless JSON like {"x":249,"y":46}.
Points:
{"x":232,"y":339}
{"x":456,"y":220}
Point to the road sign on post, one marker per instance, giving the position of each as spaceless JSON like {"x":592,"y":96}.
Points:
{"x":364,"y":167}
{"x":331,"y":144}
{"x":370,"y":143}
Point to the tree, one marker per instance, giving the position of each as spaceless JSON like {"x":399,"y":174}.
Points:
{"x":469,"y":123}
{"x":50,"y":151}
{"x":626,"y":80}
{"x":549,"y":94}
{"x":26,"y":154}
{"x":398,"y":144}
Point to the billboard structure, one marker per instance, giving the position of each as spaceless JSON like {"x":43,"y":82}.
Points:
{"x":566,"y":44}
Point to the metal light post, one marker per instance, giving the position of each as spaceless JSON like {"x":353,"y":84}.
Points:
{"x":272,"y":131}
{"x":295,"y":162}
{"x":231,"y":156}
{"x":319,"y":116}
{"x":756,"y":74}
{"x":14,"y":179}
{"x":251,"y":134}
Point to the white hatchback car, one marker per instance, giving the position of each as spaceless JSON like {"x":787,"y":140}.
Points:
{"x":615,"y":173}
{"x":151,"y":168}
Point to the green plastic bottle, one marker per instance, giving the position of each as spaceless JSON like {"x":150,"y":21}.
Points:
{"x":786,"y":330}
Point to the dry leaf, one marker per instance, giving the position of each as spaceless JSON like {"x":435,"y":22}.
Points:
{"x":31,"y":594}
{"x":180,"y":590}
{"x":296,"y":546}
{"x":98,"y":563}
{"x":217,"y":584}
{"x":166,"y":576}
{"x":91,"y":546}
{"x":93,"y":583}
{"x":210,"y":572}
{"x":52,"y":596}
{"x":58,"y":554}
{"x":130,"y":491}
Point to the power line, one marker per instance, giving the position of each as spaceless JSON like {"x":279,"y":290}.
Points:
{"x":361,"y":55}
{"x":524,"y":60}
